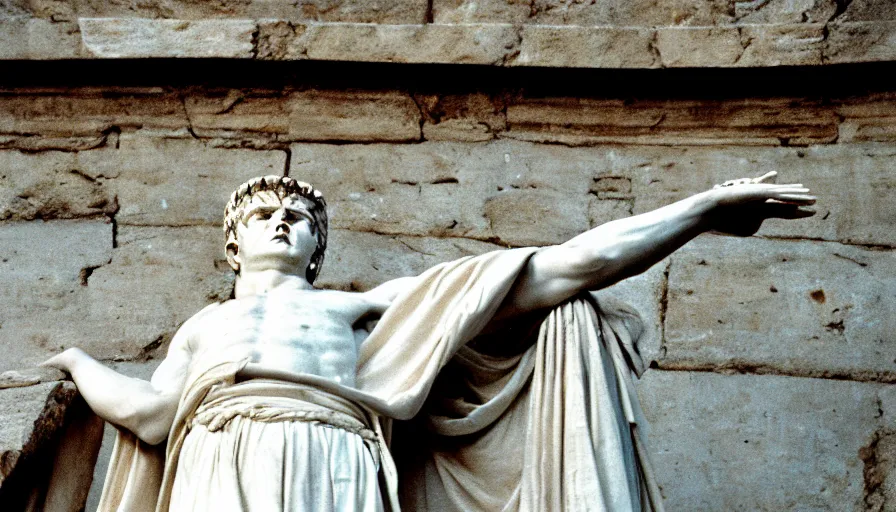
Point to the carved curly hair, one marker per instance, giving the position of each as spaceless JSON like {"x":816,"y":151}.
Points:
{"x":280,"y":187}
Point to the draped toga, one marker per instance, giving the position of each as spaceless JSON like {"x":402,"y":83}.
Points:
{"x":522,"y":419}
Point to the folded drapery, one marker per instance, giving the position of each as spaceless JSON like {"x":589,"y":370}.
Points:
{"x":554,"y":426}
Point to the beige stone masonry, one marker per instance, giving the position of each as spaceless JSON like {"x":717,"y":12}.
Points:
{"x":437,"y":44}
{"x":134,"y":38}
{"x":24,"y":38}
{"x":353,"y":11}
{"x":465,"y":190}
{"x":746,"y":442}
{"x":94,"y":117}
{"x":171,"y":182}
{"x":644,"y":12}
{"x":569,"y":42}
{"x":44,"y":267}
{"x":307,"y":116}
{"x":50,"y":185}
{"x":854,"y":181}
{"x":584,"y":121}
{"x":772,"y":306}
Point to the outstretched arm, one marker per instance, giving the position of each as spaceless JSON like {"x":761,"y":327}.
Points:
{"x":145,"y":408}
{"x":626,"y":247}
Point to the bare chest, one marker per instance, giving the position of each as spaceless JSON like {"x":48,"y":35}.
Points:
{"x":313,"y":332}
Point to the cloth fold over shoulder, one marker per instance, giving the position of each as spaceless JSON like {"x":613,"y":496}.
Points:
{"x":558,"y":427}
{"x":569,"y":395}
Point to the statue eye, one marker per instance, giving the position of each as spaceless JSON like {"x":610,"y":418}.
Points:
{"x":262,"y":215}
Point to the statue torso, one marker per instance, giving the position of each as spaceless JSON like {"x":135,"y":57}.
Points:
{"x":314,"y":332}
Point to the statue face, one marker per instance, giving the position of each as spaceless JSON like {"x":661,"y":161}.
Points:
{"x":274,"y":235}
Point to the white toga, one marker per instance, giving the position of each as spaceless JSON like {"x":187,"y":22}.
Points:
{"x":555,"y":426}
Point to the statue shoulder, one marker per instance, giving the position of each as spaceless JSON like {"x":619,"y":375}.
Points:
{"x":194,"y":324}
{"x":388,"y":291}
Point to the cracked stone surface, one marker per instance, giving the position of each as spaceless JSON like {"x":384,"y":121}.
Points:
{"x":132,"y":38}
{"x":314,"y":115}
{"x":42,"y":264}
{"x":544,"y":33}
{"x":48,"y":444}
{"x":32,"y":416}
{"x":157,"y":180}
{"x":368,"y":11}
{"x":775,"y":306}
{"x":764,"y":443}
{"x":372,"y":187}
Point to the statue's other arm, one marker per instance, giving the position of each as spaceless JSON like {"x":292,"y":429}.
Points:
{"x":626,"y":247}
{"x":145,"y":408}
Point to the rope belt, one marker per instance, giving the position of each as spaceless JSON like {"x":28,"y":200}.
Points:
{"x":272,"y":401}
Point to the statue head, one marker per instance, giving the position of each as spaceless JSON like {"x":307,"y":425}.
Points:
{"x":256,"y":201}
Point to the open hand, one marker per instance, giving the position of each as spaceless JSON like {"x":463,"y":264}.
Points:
{"x":65,"y":360}
{"x":740,"y":206}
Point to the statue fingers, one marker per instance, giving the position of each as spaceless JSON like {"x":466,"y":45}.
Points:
{"x":769,"y":177}
{"x":793,"y":198}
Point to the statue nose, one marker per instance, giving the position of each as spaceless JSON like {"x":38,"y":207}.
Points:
{"x":282,"y":226}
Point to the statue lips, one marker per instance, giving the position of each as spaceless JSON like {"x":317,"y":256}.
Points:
{"x":282,"y":237}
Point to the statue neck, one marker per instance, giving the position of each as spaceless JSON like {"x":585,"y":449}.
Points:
{"x":264,"y":281}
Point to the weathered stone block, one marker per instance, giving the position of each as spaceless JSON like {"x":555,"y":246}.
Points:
{"x":25,"y":38}
{"x":601,"y":211}
{"x":585,"y":121}
{"x":467,"y":11}
{"x":513,"y":213}
{"x":880,"y":471}
{"x":43,"y":268}
{"x":758,"y":442}
{"x":442,"y":189}
{"x":853,"y":183}
{"x":49,"y":185}
{"x":31,"y":416}
{"x":135,"y":38}
{"x":428,"y":43}
{"x":586,"y":47}
{"x":782,"y":45}
{"x":175,"y":182}
{"x":871,"y":41}
{"x":800,"y":308}
{"x":48,"y":444}
{"x":29,"y":377}
{"x":869,"y":10}
{"x":685,"y":47}
{"x":620,"y":13}
{"x":315,"y":115}
{"x":39,"y":118}
{"x":361,"y":261}
{"x":870,"y":119}
{"x":178,"y":271}
{"x":468,"y":118}
{"x":57,"y":297}
{"x":371,"y":11}
{"x":784,"y":12}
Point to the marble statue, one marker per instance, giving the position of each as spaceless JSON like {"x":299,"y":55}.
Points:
{"x":487,"y":383}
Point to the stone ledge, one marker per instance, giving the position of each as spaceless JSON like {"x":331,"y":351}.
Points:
{"x":498,"y":44}
{"x":49,"y":442}
{"x":136,"y":38}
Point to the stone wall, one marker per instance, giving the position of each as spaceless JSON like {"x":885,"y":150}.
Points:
{"x":553,"y":33}
{"x":772,"y":386}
